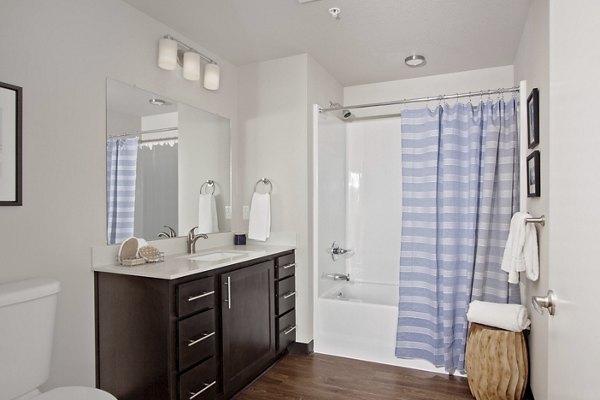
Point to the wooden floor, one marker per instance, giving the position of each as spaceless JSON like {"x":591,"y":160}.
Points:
{"x":326,"y":377}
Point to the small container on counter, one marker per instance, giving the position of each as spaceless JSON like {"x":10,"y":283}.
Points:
{"x":239,"y":239}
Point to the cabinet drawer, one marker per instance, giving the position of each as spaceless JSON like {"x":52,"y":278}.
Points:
{"x":199,"y":383}
{"x":197,"y":338}
{"x":286,"y":328}
{"x":285,"y":266}
{"x":195,"y":296}
{"x":286,"y":295}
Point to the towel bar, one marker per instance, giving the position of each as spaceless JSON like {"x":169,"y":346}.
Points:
{"x":264,"y":181}
{"x":210,"y":183}
{"x":537,"y":220}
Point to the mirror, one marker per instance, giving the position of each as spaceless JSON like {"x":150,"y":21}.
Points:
{"x":168,"y":167}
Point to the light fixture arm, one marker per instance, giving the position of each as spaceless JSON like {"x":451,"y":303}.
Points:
{"x":185,"y":47}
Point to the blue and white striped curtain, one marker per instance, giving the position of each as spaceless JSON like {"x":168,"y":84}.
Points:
{"x":121,"y":156}
{"x":460,"y":167}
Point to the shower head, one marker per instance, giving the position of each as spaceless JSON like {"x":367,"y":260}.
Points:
{"x":346,"y":114}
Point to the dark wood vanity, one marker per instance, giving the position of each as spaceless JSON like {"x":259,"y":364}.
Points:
{"x":202,"y":336}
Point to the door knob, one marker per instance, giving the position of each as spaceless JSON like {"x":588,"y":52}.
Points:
{"x":547,"y":302}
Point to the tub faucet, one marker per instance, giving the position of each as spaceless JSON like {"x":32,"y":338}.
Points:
{"x":339,"y":277}
{"x":335,"y":250}
{"x":192,"y":238}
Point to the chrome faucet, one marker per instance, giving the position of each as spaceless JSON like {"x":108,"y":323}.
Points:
{"x":335,"y":250}
{"x":339,"y":277}
{"x":192,"y":238}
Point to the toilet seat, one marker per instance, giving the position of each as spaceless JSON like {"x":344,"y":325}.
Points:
{"x":75,"y":393}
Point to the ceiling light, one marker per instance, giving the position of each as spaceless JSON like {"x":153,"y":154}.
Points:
{"x":335,"y":12}
{"x":158,"y":102}
{"x":172,"y":52}
{"x":416,"y":60}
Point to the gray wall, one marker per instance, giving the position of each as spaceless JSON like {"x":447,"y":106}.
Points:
{"x":61,"y":53}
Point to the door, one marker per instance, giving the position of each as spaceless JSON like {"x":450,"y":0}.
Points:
{"x":248,"y":323}
{"x":574,"y":202}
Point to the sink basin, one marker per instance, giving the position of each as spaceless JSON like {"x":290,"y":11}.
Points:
{"x":218,"y":256}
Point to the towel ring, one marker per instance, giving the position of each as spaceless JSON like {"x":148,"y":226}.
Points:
{"x":264,"y":181}
{"x":210,"y":183}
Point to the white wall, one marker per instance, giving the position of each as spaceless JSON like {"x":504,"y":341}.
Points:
{"x":273,"y":142}
{"x":275,"y":108}
{"x":460,"y":82}
{"x":532,"y":64}
{"x":61,"y":53}
{"x":323,"y":88}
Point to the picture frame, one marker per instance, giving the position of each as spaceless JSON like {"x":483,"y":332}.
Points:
{"x":11,"y":142}
{"x":533,"y":118}
{"x":533,"y":174}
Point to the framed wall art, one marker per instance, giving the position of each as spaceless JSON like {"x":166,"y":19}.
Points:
{"x":533,"y":118}
{"x":533,"y":174}
{"x":11,"y":126}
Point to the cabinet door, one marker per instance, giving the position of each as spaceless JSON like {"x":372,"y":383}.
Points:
{"x":248,"y":324}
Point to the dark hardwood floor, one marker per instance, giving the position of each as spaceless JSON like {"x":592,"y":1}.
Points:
{"x":326,"y":377}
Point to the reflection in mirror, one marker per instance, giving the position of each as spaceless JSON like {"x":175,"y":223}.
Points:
{"x":168,"y":167}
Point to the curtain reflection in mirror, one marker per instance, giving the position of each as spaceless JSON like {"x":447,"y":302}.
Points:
{"x":120,"y":187}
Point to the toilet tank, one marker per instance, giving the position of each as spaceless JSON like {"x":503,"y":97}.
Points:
{"x":27,"y":310}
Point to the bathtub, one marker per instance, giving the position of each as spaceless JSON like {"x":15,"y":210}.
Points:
{"x":359,"y":320}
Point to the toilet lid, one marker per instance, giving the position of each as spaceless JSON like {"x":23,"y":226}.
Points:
{"x":75,"y":393}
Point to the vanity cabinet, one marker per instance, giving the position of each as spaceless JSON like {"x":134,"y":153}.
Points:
{"x":203,"y":336}
{"x":248,"y":324}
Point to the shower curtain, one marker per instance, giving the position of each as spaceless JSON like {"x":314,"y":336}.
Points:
{"x":121,"y":156}
{"x":460,"y":167}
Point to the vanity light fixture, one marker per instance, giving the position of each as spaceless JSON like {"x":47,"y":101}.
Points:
{"x":416,"y":60}
{"x":173,"y":52}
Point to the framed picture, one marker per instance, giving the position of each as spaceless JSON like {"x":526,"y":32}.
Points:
{"x":533,"y":118}
{"x":533,"y":174}
{"x":11,"y":114}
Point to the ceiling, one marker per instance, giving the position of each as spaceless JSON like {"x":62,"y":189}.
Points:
{"x":126,"y":99}
{"x":367,"y":44}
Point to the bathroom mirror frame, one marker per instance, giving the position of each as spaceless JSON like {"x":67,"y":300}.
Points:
{"x":200,"y":119}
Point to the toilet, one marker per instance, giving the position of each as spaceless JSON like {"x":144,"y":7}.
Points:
{"x":27,"y":310}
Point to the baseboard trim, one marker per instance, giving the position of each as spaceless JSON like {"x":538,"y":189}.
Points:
{"x":302,"y":348}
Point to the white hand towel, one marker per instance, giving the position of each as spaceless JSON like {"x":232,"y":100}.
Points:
{"x":512,"y":317}
{"x":259,"y":226}
{"x":208,"y":221}
{"x":521,"y":251}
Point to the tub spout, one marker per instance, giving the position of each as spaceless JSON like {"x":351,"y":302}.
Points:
{"x":339,"y":277}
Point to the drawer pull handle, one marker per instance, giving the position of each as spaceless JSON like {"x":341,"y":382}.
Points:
{"x":204,"y":389}
{"x":205,"y":294}
{"x":289,"y":266}
{"x":193,"y":342}
{"x":288,"y":295}
{"x":289,"y":330}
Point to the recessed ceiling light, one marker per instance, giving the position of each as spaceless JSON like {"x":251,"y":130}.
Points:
{"x":158,"y":102}
{"x":416,"y":60}
{"x":335,"y":12}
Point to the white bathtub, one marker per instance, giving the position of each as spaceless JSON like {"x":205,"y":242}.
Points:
{"x":359,"y":320}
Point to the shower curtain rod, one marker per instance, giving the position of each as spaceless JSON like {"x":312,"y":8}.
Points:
{"x":144,"y":132}
{"x":422,"y":99}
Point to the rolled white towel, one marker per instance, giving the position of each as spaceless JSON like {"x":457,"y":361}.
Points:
{"x":512,"y":317}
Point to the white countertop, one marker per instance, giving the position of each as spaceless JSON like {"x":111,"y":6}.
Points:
{"x":180,"y":265}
